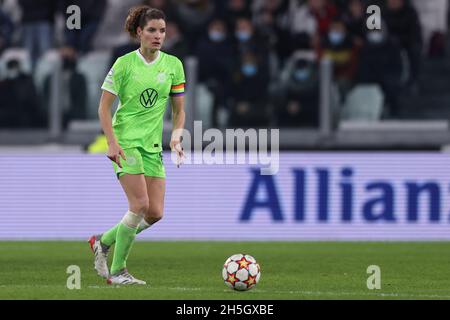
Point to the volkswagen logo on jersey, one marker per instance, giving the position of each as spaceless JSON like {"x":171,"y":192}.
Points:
{"x":148,"y":98}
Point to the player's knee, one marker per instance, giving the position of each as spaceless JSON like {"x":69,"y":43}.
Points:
{"x":154,"y":214}
{"x":140,"y":205}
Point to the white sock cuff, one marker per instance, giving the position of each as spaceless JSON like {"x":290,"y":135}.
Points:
{"x":131,"y":219}
{"x":144,"y":224}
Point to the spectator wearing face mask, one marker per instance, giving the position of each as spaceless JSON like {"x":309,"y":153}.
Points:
{"x":338,"y":46}
{"x":19,"y":107}
{"x":73,"y":86}
{"x":249,"y":94}
{"x":246,"y":37}
{"x":215,"y":55}
{"x":299,"y":96}
{"x":248,"y":40}
{"x":381,"y":63}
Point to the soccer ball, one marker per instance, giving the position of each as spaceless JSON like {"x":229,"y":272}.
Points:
{"x":241,"y":272}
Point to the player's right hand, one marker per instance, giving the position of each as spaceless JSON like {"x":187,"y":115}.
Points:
{"x":115,"y":152}
{"x":176,"y":147}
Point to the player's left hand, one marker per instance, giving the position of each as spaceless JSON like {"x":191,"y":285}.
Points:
{"x":175,"y":146}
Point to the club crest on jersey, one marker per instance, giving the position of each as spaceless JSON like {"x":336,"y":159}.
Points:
{"x":131,"y":161}
{"x":148,"y":98}
{"x":161,"y":77}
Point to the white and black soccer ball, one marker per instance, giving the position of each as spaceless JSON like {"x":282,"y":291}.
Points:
{"x":241,"y":272}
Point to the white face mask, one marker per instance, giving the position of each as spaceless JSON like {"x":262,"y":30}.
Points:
{"x":302,"y":74}
{"x":243,"y":36}
{"x":336,"y":37}
{"x":217,"y":36}
{"x":375,"y":37}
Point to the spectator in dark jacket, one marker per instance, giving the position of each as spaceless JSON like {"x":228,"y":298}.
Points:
{"x":381,"y":63}
{"x":19,"y":107}
{"x":272,"y":22}
{"x":175,"y":43}
{"x":249,"y":94}
{"x":123,"y":49}
{"x":167,"y":6}
{"x":6,"y":31}
{"x":92,"y":13}
{"x":354,"y":18}
{"x":194,"y":17}
{"x":37,"y":26}
{"x":231,"y":10}
{"x":340,"y":48}
{"x":299,"y":95}
{"x":73,"y":88}
{"x":404,"y":26}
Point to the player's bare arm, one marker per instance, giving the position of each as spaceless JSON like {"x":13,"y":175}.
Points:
{"x":178,"y":116}
{"x":104,"y":113}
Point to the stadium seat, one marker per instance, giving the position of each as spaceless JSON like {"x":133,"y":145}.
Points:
{"x":94,"y":67}
{"x":44,"y":67}
{"x":204,"y":105}
{"x":364,"y":102}
{"x":18,"y":54}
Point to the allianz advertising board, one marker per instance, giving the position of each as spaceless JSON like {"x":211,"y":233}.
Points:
{"x":314,"y":196}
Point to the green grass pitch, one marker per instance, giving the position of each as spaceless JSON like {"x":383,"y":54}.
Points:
{"x":192,"y":270}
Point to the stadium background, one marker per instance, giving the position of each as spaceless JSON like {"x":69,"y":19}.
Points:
{"x":363,"y":119}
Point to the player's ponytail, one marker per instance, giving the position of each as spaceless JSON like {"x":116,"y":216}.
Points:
{"x":138,"y":16}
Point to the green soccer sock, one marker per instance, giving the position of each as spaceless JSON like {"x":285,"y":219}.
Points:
{"x":109,"y":237}
{"x":124,"y":241}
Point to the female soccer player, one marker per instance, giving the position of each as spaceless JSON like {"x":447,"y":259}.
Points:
{"x":143,"y":80}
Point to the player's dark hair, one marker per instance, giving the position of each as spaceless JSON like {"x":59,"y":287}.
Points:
{"x":138,"y":16}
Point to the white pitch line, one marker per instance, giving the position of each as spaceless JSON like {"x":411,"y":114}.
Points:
{"x":330,"y":293}
{"x":185,"y":289}
{"x":256,"y":291}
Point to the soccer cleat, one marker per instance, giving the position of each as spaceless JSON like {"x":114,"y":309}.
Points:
{"x":123,"y":277}
{"x":101,"y":256}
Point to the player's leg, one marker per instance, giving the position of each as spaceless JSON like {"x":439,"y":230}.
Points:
{"x":152,"y":165}
{"x":154,"y":212}
{"x":156,"y":193}
{"x":134,"y":166}
{"x":155,"y":178}
{"x":100,"y":244}
{"x":156,"y":188}
{"x":136,"y":191}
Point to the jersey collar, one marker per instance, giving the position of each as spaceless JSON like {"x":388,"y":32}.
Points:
{"x":145,"y":61}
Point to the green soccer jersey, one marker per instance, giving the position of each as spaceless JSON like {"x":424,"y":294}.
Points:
{"x":143,"y":89}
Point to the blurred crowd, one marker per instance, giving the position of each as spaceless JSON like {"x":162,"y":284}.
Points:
{"x":258,"y":59}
